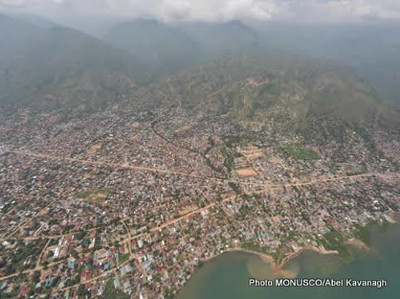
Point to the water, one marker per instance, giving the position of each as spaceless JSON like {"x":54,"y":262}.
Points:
{"x":227,"y":275}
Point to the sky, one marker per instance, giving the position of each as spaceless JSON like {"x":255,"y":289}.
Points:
{"x":214,"y":10}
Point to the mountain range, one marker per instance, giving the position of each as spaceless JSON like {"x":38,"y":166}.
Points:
{"x":60,"y":67}
{"x":54,"y":67}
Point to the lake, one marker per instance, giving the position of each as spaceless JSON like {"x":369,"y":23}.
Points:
{"x":227,"y":276}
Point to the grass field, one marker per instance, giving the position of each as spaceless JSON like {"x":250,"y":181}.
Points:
{"x":299,"y":152}
{"x":111,"y":293}
{"x":94,"y":196}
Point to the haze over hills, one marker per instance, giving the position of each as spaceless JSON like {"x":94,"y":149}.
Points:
{"x":372,"y":49}
{"x":222,"y":38}
{"x":290,"y":96}
{"x":34,"y":20}
{"x":164,"y":49}
{"x":169,"y":48}
{"x":60,"y":67}
{"x":56,"y":65}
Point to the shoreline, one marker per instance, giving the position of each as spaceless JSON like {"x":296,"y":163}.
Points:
{"x":276,"y":267}
{"x":281,"y":269}
{"x":353,"y":242}
{"x":263,"y":256}
{"x":269,"y":259}
{"x":358,"y":244}
{"x":294,"y":255}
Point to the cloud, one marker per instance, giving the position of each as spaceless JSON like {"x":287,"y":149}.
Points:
{"x":345,"y":10}
{"x":205,"y":10}
{"x":218,"y":10}
{"x":12,"y":4}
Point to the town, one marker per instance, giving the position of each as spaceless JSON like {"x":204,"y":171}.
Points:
{"x":131,"y":204}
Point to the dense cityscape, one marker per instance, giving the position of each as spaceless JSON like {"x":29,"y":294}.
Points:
{"x":134,"y":203}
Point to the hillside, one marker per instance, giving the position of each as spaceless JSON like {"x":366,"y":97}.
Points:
{"x":224,"y":38}
{"x":163,"y":48}
{"x":247,"y":103}
{"x":248,"y":89}
{"x":169,"y":48}
{"x":372,"y":49}
{"x":60,"y":67}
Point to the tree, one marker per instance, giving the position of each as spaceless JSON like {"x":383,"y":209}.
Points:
{"x":81,"y":290}
{"x":36,"y":277}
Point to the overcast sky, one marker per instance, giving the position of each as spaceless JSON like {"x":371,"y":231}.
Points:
{"x":215,"y":10}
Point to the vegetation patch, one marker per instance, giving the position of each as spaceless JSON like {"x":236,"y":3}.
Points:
{"x":364,"y":233}
{"x":299,"y":152}
{"x":112,"y":293}
{"x":334,"y":240}
{"x":254,"y":247}
{"x":229,"y":160}
{"x":123,"y":257}
{"x":94,"y":196}
{"x":357,"y":169}
{"x":242,"y":139}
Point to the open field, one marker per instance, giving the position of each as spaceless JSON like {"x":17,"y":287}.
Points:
{"x":246,"y":172}
{"x":94,"y":196}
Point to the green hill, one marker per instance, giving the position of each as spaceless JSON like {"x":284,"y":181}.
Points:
{"x":59,"y":68}
{"x":169,"y":48}
{"x":293,"y":92}
{"x":163,"y":48}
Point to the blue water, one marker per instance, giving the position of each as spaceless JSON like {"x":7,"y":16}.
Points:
{"x":226,"y":277}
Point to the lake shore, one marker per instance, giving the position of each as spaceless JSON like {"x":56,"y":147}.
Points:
{"x":359,"y":245}
{"x":278,"y":267}
{"x":381,"y":243}
{"x":228,"y":276}
{"x":264,"y":257}
{"x":319,"y":250}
